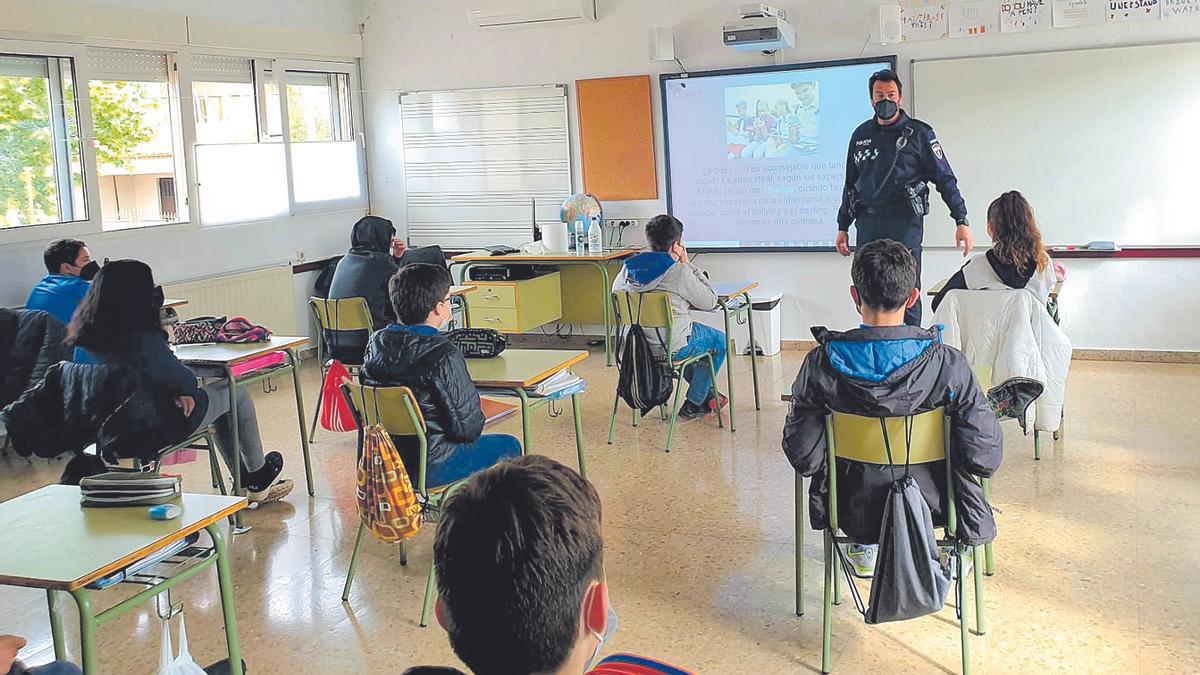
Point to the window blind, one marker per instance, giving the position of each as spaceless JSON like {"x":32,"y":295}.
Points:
{"x":475,"y":161}
{"x":23,"y":66}
{"x":126,"y":65}
{"x":210,"y":68}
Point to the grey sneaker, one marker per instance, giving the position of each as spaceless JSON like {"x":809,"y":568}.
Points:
{"x":862,"y":558}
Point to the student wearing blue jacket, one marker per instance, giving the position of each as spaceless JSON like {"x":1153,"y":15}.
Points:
{"x":71,"y":270}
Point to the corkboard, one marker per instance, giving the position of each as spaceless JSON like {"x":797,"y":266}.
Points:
{"x":616,"y":137}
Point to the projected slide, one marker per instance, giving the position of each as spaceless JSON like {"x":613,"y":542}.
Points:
{"x":756,"y":158}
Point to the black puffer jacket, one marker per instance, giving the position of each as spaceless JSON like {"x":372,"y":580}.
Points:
{"x":891,"y":372}
{"x":30,"y":342}
{"x":76,"y":405}
{"x":421,"y":359}
{"x":364,"y":272}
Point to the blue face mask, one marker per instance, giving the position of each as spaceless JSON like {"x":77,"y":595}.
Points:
{"x":610,"y":629}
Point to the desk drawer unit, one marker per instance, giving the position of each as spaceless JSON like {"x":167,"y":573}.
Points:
{"x":517,"y":306}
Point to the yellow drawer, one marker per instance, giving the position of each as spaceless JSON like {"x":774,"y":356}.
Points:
{"x":494,"y":295}
{"x":503,"y":319}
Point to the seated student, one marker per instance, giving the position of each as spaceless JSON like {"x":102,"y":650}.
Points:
{"x":666,"y":268}
{"x":118,"y":324}
{"x":543,"y":606}
{"x":9,"y":665}
{"x":1017,"y":258}
{"x":413,"y":354}
{"x":71,"y":270}
{"x":887,"y":369}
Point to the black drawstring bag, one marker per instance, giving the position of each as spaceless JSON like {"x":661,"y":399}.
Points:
{"x":644,"y":376}
{"x":909,"y":579}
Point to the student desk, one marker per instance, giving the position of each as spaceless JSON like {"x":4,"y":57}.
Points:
{"x":221,"y":357}
{"x":174,"y":303}
{"x":588,"y":291}
{"x":1051,"y":306}
{"x":733,"y":297}
{"x":49,"y":541}
{"x":515,"y":369}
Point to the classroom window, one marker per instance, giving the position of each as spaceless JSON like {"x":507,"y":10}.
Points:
{"x":239,"y":177}
{"x":41,"y":170}
{"x":134,"y":119}
{"x":325,"y":162}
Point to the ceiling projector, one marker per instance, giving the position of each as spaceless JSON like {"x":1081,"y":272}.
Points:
{"x":762,"y":28}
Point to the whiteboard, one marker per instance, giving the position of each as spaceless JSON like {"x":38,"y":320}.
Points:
{"x":474,"y":161}
{"x":1104,"y":143}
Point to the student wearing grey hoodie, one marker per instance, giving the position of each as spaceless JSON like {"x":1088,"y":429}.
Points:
{"x":666,"y":267}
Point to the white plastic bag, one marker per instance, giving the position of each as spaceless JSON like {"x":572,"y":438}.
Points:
{"x":182,"y":664}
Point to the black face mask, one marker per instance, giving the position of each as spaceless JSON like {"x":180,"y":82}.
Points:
{"x":156,"y":296}
{"x":886,"y":109}
{"x":88,"y":271}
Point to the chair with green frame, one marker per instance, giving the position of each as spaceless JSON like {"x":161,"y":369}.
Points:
{"x":396,"y":408}
{"x":208,"y":436}
{"x":335,"y":316}
{"x":860,"y":439}
{"x":653,"y":310}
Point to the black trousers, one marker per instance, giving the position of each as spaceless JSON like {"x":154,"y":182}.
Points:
{"x":904,"y":227}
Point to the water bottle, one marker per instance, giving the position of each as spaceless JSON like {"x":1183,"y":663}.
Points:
{"x":580,"y":238}
{"x":595,"y":238}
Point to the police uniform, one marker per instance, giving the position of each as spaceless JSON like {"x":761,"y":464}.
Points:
{"x":886,"y":194}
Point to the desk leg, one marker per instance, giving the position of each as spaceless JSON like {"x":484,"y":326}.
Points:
{"x":753,"y":351}
{"x":87,"y":631}
{"x":605,"y":302}
{"x":225,"y":582}
{"x":578,"y":433}
{"x":236,"y":469}
{"x":729,"y":365}
{"x":524,"y":419}
{"x":308,"y":476}
{"x":56,"y":629}
{"x":466,"y":309}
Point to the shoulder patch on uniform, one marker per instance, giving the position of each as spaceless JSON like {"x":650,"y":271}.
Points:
{"x":937,"y":149}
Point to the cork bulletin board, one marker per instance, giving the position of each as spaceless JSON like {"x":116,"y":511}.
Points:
{"x":616,"y":137}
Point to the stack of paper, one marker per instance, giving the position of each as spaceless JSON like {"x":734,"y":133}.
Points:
{"x":562,"y":383}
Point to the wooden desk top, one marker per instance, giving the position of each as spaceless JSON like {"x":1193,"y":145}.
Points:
{"x":462,"y":290}
{"x":50,"y":541}
{"x":225,"y":353}
{"x":548,"y":258}
{"x":937,"y":288}
{"x":174,"y":302}
{"x":731,"y":289}
{"x":519,"y":368}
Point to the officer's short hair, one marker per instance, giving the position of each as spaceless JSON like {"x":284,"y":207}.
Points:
{"x":885,"y":75}
{"x":663,"y":231}
{"x":885,"y":273}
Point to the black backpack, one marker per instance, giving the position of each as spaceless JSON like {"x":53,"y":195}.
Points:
{"x":645,"y":379}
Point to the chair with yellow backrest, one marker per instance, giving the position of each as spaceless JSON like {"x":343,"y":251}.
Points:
{"x":984,"y":375}
{"x":396,"y":408}
{"x":653,"y":311}
{"x":860,"y":439}
{"x":339,"y":316}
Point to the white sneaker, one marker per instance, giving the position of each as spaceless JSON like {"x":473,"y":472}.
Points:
{"x":862,"y":558}
{"x":274,"y":493}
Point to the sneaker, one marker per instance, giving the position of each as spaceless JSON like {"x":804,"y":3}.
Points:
{"x":273,"y":493}
{"x":690,"y":411}
{"x":862,"y":558}
{"x":258,"y":481}
{"x":712,"y":402}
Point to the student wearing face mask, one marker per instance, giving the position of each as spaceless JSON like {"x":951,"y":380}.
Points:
{"x":71,"y":270}
{"x":891,"y":159}
{"x":543,"y":606}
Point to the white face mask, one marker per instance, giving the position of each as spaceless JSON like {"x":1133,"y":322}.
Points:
{"x":610,"y":629}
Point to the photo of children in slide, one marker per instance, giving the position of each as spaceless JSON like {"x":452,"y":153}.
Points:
{"x":773,"y":120}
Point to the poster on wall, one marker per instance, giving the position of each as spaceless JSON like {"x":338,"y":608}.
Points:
{"x":1073,"y":13}
{"x":1174,"y":9}
{"x":973,"y":19}
{"x":1121,"y":11}
{"x":923,"y":20}
{"x":1023,"y":16}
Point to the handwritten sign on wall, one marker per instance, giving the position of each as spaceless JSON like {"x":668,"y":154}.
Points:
{"x":1024,"y":15}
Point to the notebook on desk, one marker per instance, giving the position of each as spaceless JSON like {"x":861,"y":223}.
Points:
{"x":494,"y":411}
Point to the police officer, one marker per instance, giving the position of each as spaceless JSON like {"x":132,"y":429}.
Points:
{"x":891,"y":160}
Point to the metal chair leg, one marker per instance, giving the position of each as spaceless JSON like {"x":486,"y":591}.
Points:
{"x":674,"y":417}
{"x":964,"y":632}
{"x":717,"y":396}
{"x":353,"y":563}
{"x":827,"y":617}
{"x":1037,"y":445}
{"x":799,"y":545}
{"x":427,"y":607}
{"x":612,"y":422}
{"x":403,"y":547}
{"x":312,"y":432}
{"x":980,"y":627}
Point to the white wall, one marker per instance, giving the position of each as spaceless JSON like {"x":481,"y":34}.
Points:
{"x":422,"y":45}
{"x":186,"y":251}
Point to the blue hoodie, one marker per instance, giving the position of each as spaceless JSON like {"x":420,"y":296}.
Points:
{"x":58,"y":295}
{"x":687,"y":286}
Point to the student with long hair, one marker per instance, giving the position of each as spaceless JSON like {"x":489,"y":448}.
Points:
{"x":1017,"y":258}
{"x":118,"y":324}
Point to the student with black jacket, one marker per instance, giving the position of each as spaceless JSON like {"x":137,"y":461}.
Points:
{"x":888,"y":369}
{"x":412,"y":353}
{"x":119,"y":325}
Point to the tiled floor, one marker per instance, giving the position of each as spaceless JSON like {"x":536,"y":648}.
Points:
{"x":1096,"y":556}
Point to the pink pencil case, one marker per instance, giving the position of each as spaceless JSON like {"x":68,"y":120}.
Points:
{"x":258,"y":363}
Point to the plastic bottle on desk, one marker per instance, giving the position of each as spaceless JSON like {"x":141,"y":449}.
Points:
{"x":595,"y":238}
{"x":580,"y":238}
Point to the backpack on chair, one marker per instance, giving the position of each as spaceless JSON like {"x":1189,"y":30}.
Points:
{"x":644,"y":379}
{"x":387,"y":503}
